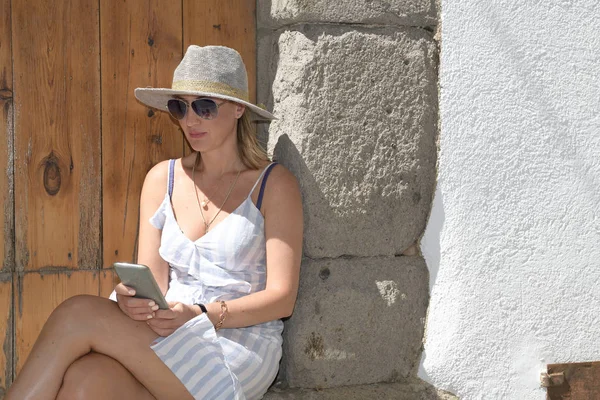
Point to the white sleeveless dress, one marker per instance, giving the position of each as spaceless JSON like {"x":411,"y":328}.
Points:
{"x":226,"y":263}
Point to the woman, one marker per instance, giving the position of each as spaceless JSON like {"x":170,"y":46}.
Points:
{"x":222,"y":243}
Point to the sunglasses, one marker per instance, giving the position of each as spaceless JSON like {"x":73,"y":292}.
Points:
{"x":204,"y":108}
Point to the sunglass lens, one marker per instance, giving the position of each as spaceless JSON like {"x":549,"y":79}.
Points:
{"x":205,"y":108}
{"x":177,"y":108}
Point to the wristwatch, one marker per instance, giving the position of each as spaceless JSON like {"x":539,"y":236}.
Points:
{"x":202,"y":307}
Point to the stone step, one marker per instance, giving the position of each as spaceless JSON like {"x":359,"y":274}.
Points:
{"x":379,"y":391}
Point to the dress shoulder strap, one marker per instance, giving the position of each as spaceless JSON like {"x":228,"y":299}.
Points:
{"x":171,"y":178}
{"x":260,"y":177}
{"x":264,"y":176}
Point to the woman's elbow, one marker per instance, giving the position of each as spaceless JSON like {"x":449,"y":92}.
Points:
{"x":285,"y":304}
{"x":288,"y":310}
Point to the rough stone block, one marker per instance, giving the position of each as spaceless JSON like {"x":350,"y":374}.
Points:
{"x":383,"y":391}
{"x":389,"y":12}
{"x":357,"y":125}
{"x":356,"y":321}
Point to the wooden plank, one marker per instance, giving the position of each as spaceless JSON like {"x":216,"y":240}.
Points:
{"x":6,"y":332}
{"x":7,"y":233}
{"x":57,"y":133}
{"x":141,"y":46}
{"x":108,"y":280}
{"x":580,"y":381}
{"x":37,"y":295}
{"x":229,"y":23}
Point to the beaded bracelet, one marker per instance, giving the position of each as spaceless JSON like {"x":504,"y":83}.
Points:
{"x":222,"y":316}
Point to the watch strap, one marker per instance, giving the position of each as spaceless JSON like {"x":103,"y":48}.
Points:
{"x":202,"y":307}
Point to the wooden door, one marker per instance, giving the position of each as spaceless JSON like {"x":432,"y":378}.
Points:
{"x":76,"y":145}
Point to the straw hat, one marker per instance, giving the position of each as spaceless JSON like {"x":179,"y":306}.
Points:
{"x":210,"y":71}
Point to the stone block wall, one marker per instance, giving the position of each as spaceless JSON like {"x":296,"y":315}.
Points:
{"x":354,"y":85}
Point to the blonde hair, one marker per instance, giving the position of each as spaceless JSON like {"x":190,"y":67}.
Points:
{"x":251,"y":152}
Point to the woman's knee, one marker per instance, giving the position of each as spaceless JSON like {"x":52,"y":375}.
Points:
{"x":96,"y":376}
{"x":86,"y":377}
{"x":78,"y":309}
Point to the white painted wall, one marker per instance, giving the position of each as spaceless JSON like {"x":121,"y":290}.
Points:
{"x":513,"y":242}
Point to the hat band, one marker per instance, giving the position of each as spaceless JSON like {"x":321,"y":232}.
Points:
{"x":212,"y":87}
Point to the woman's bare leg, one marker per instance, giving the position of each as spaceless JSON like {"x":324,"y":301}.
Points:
{"x":98,"y":377}
{"x":90,"y":323}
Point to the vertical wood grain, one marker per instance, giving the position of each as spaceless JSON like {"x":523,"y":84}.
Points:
{"x":77,"y":190}
{"x":108,"y":280}
{"x":229,"y":23}
{"x":6,"y":142}
{"x":6,"y":332}
{"x":37,"y":295}
{"x":141,"y":46}
{"x":6,"y":200}
{"x":57,"y":133}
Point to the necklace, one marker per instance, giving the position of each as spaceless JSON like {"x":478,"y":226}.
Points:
{"x":203,"y":204}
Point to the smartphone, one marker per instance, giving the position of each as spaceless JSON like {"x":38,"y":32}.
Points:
{"x":140,"y":278}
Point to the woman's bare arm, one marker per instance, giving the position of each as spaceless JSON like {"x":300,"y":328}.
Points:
{"x":282,"y":209}
{"x":153,"y":193}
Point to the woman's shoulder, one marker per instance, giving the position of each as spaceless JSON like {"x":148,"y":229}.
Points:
{"x":158,"y":173}
{"x":281,"y":185}
{"x":155,"y":186}
{"x":156,"y":181}
{"x":282,"y":203}
{"x":281,"y":174}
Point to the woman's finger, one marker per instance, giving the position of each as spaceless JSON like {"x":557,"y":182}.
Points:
{"x":136,"y":302}
{"x":160,"y":323}
{"x":166,"y":314}
{"x":136,"y":309}
{"x":139,"y":317}
{"x":141,"y":311}
{"x":124,"y":290}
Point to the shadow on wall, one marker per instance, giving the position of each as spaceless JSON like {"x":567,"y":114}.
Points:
{"x":286,"y":153}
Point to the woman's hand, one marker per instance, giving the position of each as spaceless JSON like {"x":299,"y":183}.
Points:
{"x":134,"y":308}
{"x":166,"y":322}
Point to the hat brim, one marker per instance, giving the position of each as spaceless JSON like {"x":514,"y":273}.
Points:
{"x":158,"y":97}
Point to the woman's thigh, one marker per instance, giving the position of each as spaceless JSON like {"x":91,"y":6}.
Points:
{"x":110,"y":332}
{"x":96,"y":377}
